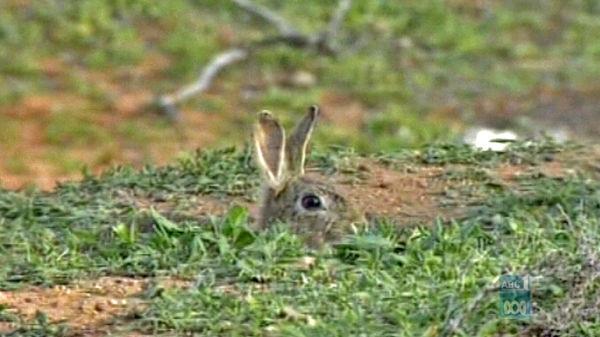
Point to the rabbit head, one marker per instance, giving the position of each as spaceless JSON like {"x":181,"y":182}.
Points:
{"x":313,"y":209}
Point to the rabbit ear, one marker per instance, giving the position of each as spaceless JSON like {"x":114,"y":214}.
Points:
{"x":269,"y":141}
{"x":298,"y":140}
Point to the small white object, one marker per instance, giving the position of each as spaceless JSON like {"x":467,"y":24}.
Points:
{"x":490,"y":139}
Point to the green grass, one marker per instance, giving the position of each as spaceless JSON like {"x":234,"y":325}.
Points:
{"x":401,"y":60}
{"x":432,"y":280}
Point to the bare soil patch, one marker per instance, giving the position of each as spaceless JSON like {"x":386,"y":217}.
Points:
{"x":89,"y":307}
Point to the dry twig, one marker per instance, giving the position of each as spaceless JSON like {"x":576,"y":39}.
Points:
{"x":321,"y":42}
{"x":284,"y":28}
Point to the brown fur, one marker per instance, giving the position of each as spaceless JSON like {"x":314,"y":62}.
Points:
{"x":284,"y":191}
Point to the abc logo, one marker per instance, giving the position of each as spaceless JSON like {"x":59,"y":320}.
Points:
{"x":516,"y":308}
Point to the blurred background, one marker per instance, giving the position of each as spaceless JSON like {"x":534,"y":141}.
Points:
{"x":79,"y":79}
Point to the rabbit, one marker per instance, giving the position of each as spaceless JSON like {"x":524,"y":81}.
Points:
{"x":313,"y":209}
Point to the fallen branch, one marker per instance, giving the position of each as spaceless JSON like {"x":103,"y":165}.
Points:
{"x":284,"y":28}
{"x":167,"y":103}
{"x":336,"y":21}
{"x":288,"y":35}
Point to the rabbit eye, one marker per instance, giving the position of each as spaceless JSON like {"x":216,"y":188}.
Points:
{"x":311,"y":202}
